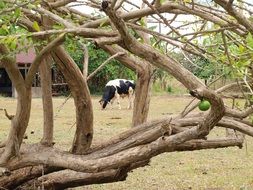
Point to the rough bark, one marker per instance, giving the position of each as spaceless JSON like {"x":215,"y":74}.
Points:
{"x":20,"y":120}
{"x":82,"y":99}
{"x":69,"y":178}
{"x":23,"y":175}
{"x":46,"y":85}
{"x":143,"y":85}
{"x":142,"y":95}
{"x":85,"y":61}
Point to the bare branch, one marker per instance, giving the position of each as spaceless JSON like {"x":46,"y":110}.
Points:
{"x":103,"y":64}
{"x":226,"y":47}
{"x":85,"y":60}
{"x":238,"y":16}
{"x":84,"y":32}
{"x":60,"y":3}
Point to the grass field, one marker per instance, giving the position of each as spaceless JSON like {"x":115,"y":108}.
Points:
{"x":220,"y":169}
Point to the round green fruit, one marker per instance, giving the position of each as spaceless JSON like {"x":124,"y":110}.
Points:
{"x":204,"y":105}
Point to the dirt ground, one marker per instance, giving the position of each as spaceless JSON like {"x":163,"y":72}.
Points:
{"x":218,"y":169}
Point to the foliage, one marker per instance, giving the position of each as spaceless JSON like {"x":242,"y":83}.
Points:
{"x":238,"y":56}
{"x":75,"y":50}
{"x":11,"y":34}
{"x":207,"y":69}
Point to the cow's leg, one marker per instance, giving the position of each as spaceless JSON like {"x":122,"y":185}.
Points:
{"x":130,"y":98}
{"x":118,"y":99}
{"x":112,"y":100}
{"x":130,"y":101}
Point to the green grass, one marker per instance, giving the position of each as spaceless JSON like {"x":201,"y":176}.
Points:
{"x":226,"y":169}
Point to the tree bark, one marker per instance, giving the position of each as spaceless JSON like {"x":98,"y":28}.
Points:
{"x":82,"y":99}
{"x":46,"y":85}
{"x":85,"y":61}
{"x":19,"y":121}
{"x":143,"y":85}
{"x":142,"y":96}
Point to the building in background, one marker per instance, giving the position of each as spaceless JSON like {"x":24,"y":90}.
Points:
{"x":24,"y":61}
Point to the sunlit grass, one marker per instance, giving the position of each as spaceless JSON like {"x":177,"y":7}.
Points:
{"x":226,"y":169}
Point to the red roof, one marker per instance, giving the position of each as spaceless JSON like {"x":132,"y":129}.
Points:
{"x":26,"y":57}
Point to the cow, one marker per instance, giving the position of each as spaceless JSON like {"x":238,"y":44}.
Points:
{"x":117,"y":88}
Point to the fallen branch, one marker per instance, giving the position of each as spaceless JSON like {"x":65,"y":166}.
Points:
{"x":69,"y":178}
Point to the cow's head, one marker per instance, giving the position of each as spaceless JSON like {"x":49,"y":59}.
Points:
{"x":109,"y":92}
{"x":103,"y":103}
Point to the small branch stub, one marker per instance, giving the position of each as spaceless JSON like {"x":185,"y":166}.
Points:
{"x":4,"y":172}
{"x":10,"y":117}
{"x":195,"y":94}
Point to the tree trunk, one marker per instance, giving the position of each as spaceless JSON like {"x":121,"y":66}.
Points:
{"x":143,"y":85}
{"x":80,"y":92}
{"x":46,"y":85}
{"x":19,"y":124}
{"x":19,"y":121}
{"x":142,"y":96}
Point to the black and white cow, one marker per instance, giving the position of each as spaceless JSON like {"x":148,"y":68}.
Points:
{"x":117,"y":88}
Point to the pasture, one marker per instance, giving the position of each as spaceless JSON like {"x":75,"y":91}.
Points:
{"x":220,"y":169}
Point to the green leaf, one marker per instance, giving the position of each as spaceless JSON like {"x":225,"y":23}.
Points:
{"x":57,"y":26}
{"x":2,"y":5}
{"x":242,"y":49}
{"x":8,"y":39}
{"x":17,"y":12}
{"x":249,"y":40}
{"x":3,"y":32}
{"x":5,"y":28}
{"x":142,"y":21}
{"x":36,"y":26}
{"x":13,"y":44}
{"x":152,"y":27}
